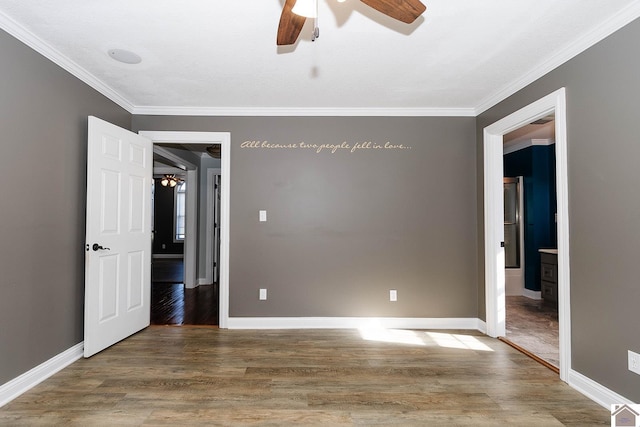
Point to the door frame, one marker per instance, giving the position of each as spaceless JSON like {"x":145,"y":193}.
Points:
{"x":190,"y":173}
{"x":224,"y":139}
{"x":211,"y":248}
{"x":493,"y":218}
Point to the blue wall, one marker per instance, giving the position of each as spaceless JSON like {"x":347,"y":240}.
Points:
{"x":537,"y":165}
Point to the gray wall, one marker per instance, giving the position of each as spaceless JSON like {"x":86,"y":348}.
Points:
{"x":604,"y":206}
{"x":344,"y":228}
{"x":43,"y":118}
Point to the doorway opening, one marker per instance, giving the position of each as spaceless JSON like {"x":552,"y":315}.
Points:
{"x":201,"y":259}
{"x":530,"y":239}
{"x":495,"y":292}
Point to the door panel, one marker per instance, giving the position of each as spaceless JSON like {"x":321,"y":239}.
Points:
{"x":118,"y":235}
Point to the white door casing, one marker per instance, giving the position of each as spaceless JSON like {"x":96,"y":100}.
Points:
{"x":118,"y":219}
{"x":493,"y":221}
{"x":224,"y":139}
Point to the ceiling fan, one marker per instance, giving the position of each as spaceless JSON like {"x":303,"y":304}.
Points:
{"x":291,"y":23}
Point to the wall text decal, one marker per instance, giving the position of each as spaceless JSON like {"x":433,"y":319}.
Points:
{"x":319,"y":148}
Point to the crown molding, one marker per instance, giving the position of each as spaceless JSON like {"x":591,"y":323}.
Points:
{"x":619,"y":20}
{"x":276,"y":111}
{"x":611,"y":25}
{"x":513,"y":146}
{"x":46,"y":50}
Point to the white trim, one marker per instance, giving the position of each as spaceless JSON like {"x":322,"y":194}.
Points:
{"x":203,"y":281}
{"x":513,"y":146}
{"x":493,"y":221}
{"x":537,"y":295}
{"x":595,"y":391}
{"x":304,"y":112}
{"x":45,"y":49}
{"x":190,"y":232}
{"x":14,"y":388}
{"x":494,"y":276}
{"x":210,"y":251}
{"x":482,"y":326}
{"x":353,"y":322}
{"x":224,"y":139}
{"x":605,"y":29}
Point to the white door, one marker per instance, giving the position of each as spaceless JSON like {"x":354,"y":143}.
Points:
{"x":118,"y":235}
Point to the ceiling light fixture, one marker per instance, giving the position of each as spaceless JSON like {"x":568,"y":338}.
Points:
{"x":295,"y":13}
{"x":170,"y":181}
{"x":308,"y":9}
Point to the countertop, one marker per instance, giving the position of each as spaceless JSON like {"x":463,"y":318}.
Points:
{"x":549,"y":251}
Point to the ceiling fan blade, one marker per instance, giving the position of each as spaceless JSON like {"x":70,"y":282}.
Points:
{"x":290,"y":25}
{"x":405,"y":11}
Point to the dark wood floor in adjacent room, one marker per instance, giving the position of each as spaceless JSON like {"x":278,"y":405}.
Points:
{"x":173,"y":304}
{"x":199,"y":376}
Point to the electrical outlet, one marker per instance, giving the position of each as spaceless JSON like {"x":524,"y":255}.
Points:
{"x":393,"y":295}
{"x":263,"y":216}
{"x":263,"y":294}
{"x":634,"y":362}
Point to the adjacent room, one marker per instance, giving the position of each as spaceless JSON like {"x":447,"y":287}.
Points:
{"x":257,"y":213}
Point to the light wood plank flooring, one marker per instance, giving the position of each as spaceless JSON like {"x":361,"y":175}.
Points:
{"x":533,"y":325}
{"x":207,"y":376}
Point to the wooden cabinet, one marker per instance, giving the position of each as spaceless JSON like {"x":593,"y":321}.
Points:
{"x":549,"y":276}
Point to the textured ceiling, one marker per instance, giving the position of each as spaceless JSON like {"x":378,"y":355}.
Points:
{"x":214,"y":56}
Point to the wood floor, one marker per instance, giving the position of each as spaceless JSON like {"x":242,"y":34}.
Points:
{"x":173,"y":304}
{"x":207,"y":376}
{"x":533,"y":325}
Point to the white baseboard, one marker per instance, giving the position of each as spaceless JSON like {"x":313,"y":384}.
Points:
{"x":482,"y":326}
{"x":30,"y":379}
{"x":352,"y":322}
{"x":595,"y":391}
{"x":588,"y":387}
{"x":532,"y":294}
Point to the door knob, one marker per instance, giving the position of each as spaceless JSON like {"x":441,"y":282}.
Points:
{"x":98,"y":247}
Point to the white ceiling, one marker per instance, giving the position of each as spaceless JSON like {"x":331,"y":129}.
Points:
{"x":220,"y":57}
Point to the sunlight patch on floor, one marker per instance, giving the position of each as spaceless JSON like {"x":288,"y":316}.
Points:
{"x":398,"y":336}
{"x":457,"y":341}
{"x":373,"y":332}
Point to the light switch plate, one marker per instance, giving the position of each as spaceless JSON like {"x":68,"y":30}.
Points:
{"x":263,"y":216}
{"x":634,"y":362}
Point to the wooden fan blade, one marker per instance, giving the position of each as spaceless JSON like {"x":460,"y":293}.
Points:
{"x":290,"y":25}
{"x":405,"y":11}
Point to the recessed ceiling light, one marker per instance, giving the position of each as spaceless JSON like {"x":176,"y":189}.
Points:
{"x":125,"y":56}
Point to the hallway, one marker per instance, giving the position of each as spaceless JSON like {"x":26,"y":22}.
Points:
{"x":173,"y":304}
